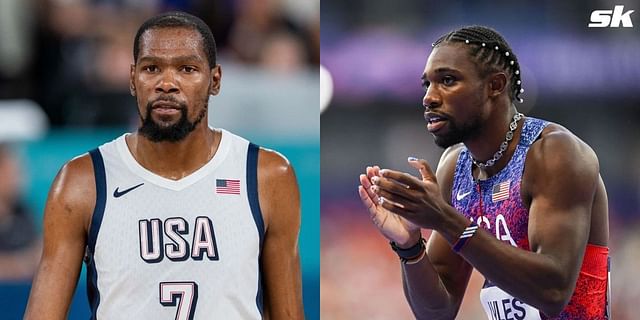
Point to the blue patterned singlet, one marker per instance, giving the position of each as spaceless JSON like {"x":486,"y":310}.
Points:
{"x":495,"y":204}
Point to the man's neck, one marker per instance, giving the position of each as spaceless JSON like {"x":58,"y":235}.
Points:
{"x":486,"y":143}
{"x":176,"y":160}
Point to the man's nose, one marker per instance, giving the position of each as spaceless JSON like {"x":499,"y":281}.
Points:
{"x":432,"y":98}
{"x":167,"y":83}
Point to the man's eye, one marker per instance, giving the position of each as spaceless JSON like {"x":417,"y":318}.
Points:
{"x":448,"y":80}
{"x":151,"y":69}
{"x":188,"y":69}
{"x":425,"y":85}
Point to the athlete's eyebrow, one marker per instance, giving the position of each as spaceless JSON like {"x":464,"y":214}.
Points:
{"x":439,"y":71}
{"x":445,"y":70}
{"x":186,"y":58}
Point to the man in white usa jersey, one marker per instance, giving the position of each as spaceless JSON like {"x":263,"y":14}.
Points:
{"x":177,"y":220}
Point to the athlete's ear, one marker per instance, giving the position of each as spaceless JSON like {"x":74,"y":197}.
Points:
{"x":497,"y":84}
{"x":216,"y":77}
{"x":132,"y":84}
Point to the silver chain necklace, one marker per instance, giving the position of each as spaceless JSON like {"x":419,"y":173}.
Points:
{"x":503,"y":146}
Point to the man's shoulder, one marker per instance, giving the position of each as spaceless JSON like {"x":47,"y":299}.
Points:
{"x":558,"y":150}
{"x":272,"y":163}
{"x":76,"y":176}
{"x":449,"y":159}
{"x":74,"y":187}
{"x":451,"y":153}
{"x":78,"y":167}
{"x":446,"y":168}
{"x":557,"y":141}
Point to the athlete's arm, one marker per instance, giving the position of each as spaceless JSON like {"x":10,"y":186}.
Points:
{"x":68,"y":208}
{"x":561,"y":176}
{"x":435,"y":286}
{"x":280,"y":260}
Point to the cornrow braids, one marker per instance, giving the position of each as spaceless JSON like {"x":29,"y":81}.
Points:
{"x":491,"y":52}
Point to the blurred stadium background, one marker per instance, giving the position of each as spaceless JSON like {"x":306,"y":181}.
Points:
{"x":585,"y":79}
{"x":64,"y":68}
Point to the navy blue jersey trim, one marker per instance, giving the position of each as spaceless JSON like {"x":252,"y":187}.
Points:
{"x":487,"y":284}
{"x":252,"y":188}
{"x":96,"y":220}
{"x":254,"y":204}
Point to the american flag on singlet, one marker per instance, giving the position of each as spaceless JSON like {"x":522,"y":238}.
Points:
{"x":227,"y":186}
{"x":500,"y":191}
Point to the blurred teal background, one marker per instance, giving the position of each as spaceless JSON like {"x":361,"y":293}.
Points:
{"x":64,"y":72}
{"x":43,"y":159}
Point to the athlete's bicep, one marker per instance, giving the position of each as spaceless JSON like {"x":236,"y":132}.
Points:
{"x":280,"y":205}
{"x":68,"y":207}
{"x":563,"y":177}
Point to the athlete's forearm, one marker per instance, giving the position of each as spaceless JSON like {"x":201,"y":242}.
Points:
{"x":426,"y":292}
{"x":536,"y":279}
{"x":51,"y":292}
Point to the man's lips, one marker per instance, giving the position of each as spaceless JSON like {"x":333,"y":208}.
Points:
{"x":164,"y":104}
{"x":164,"y":107}
{"x":435,"y":121}
{"x":165,"y":111}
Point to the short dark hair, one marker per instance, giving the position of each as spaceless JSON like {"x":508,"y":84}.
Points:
{"x":491,"y":52}
{"x":177,"y":19}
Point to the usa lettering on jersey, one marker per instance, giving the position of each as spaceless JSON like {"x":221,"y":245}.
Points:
{"x":171,"y":239}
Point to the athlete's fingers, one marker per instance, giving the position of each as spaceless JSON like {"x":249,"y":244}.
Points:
{"x":393,"y":207}
{"x":399,"y":200}
{"x":377,"y":218}
{"x":402,"y":178}
{"x":393,"y":187}
{"x":423,"y":167}
{"x":366,"y":184}
{"x":406,"y":213}
{"x":364,"y":181}
{"x":371,"y":172}
{"x":366,"y":200}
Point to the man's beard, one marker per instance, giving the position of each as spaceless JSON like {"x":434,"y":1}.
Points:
{"x":458,"y":133}
{"x":171,"y":133}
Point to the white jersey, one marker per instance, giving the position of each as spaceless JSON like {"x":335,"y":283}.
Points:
{"x":176,"y":249}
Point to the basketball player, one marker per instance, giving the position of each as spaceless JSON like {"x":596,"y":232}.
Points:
{"x":517,"y":198}
{"x":177,"y":220}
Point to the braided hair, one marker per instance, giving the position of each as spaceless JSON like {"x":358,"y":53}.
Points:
{"x":491,"y":52}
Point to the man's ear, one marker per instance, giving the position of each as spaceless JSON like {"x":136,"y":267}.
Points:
{"x":497,"y":84}
{"x":132,"y":85}
{"x":216,"y":77}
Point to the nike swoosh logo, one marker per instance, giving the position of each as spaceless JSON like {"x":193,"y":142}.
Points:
{"x":118,"y":194}
{"x":462,"y":196}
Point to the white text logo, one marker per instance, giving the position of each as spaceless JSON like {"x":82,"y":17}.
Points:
{"x":611,"y":18}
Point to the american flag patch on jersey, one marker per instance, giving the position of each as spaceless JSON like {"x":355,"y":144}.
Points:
{"x":500,"y":191}
{"x":227,"y":186}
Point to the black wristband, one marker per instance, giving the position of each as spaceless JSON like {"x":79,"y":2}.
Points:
{"x":411,"y":252}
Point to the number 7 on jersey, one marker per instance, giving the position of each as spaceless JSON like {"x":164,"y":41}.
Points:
{"x":186,"y":291}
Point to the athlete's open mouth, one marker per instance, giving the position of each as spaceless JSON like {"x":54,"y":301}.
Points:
{"x":434,"y":121}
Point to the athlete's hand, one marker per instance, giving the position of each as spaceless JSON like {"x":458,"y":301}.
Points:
{"x":392,"y":226}
{"x":418,"y":201}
